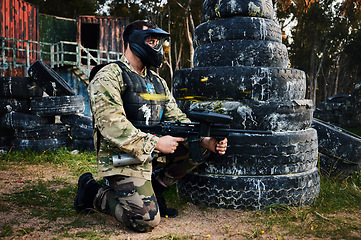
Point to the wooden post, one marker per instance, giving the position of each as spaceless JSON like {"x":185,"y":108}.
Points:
{"x":52,"y":58}
{"x":27,"y":56}
{"x":88,"y":62}
{"x":78,"y":56}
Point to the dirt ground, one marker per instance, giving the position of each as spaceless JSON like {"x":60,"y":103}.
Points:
{"x":194,"y":222}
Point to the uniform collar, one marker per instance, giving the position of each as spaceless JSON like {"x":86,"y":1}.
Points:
{"x":126,"y":62}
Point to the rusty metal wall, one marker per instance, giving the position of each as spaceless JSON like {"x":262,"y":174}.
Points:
{"x":111,"y":29}
{"x":19,"y":20}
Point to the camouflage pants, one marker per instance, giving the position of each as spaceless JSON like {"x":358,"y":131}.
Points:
{"x":132,"y":200}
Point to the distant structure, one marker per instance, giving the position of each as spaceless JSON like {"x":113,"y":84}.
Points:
{"x":70,"y":46}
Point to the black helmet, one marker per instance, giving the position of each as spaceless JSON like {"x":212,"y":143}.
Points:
{"x":148,"y":55}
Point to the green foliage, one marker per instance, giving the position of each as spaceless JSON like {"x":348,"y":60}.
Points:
{"x":77,"y":162}
{"x":45,"y":200}
{"x":325,"y":43}
{"x":339,"y":194}
{"x":173,"y":200}
{"x":6,"y":230}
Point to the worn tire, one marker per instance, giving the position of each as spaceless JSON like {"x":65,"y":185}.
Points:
{"x":15,"y":120}
{"x":277,"y":154}
{"x":5,"y":141}
{"x":39,"y":145}
{"x":237,"y":28}
{"x":19,"y":87}
{"x":49,"y":80}
{"x":215,"y":9}
{"x":45,"y":131}
{"x":255,"y":192}
{"x":338,"y":143}
{"x":241,"y":53}
{"x":330,"y":166}
{"x":6,"y":132}
{"x":58,"y":105}
{"x":237,"y":83}
{"x":78,"y":120}
{"x":81,"y":133}
{"x":18,"y":105}
{"x":263,"y":115}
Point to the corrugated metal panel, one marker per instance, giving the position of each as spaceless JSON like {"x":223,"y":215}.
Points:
{"x":111,"y":28}
{"x":19,"y":20}
{"x":54,"y":29}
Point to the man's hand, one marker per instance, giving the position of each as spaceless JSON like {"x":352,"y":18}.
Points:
{"x":214,"y":145}
{"x":168,"y":144}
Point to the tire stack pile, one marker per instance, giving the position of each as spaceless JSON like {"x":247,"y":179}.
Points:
{"x":241,"y":70}
{"x":30,"y":119}
{"x":340,"y":110}
{"x":339,"y":150}
{"x":343,"y":110}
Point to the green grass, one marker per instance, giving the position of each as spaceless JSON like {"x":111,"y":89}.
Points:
{"x":77,"y":163}
{"x":52,"y":199}
{"x":49,"y":200}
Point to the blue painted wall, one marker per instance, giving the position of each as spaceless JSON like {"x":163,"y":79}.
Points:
{"x":79,"y":86}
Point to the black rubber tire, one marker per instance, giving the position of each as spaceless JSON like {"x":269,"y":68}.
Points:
{"x":6,"y":132}
{"x":263,"y":115}
{"x":255,"y":192}
{"x":49,"y":80}
{"x":277,"y":154}
{"x":5,"y":141}
{"x":237,"y":28}
{"x":45,"y":131}
{"x":330,"y":166}
{"x":78,"y":120}
{"x":15,"y":120}
{"x":83,"y":144}
{"x":39,"y":145}
{"x":237,"y":83}
{"x":338,"y":143}
{"x":81,"y":133}
{"x":241,"y":53}
{"x":344,"y":108}
{"x":337,"y":118}
{"x":215,"y":9}
{"x":19,"y":87}
{"x":58,"y":105}
{"x":11,"y":104}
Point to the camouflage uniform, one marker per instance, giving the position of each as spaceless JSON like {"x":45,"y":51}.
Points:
{"x":131,"y":198}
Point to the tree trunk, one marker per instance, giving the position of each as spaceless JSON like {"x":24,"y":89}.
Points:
{"x":189,"y":24}
{"x":169,"y":62}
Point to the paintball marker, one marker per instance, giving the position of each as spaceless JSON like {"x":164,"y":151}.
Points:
{"x":208,"y":124}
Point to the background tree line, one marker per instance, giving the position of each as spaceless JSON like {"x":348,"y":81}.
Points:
{"x":323,"y":37}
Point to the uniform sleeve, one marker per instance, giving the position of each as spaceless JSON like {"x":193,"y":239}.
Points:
{"x":105,"y":92}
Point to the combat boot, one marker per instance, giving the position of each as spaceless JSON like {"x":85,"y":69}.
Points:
{"x":163,"y":209}
{"x":87,"y":190}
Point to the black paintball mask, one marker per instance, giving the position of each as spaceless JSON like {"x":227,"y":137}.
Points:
{"x":149,"y":55}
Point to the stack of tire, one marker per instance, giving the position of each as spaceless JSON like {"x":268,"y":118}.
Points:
{"x":31,"y":108}
{"x":339,"y":110}
{"x":81,"y":131}
{"x":241,"y":70}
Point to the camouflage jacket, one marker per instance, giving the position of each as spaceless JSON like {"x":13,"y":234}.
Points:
{"x":113,"y":132}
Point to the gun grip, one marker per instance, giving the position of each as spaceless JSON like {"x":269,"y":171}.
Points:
{"x":195,"y":149}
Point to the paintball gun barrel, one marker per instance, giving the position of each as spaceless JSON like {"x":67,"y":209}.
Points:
{"x":207,"y":124}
